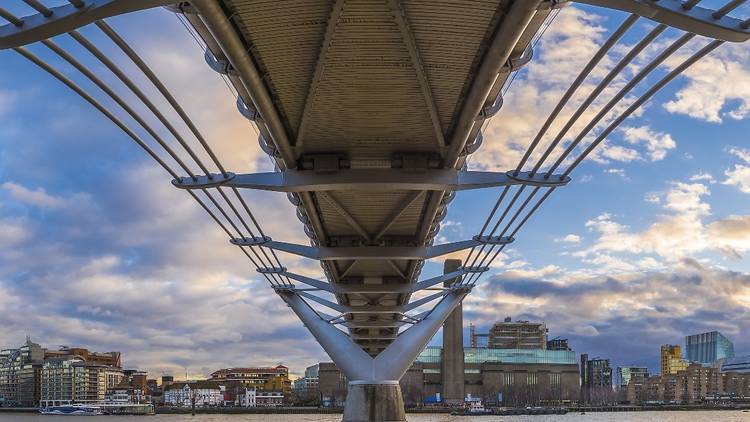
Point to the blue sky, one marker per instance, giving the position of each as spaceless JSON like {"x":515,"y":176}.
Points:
{"x":649,"y":242}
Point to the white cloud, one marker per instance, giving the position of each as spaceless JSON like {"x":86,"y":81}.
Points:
{"x":38,"y":197}
{"x":617,"y":172}
{"x":702,"y":176}
{"x":718,"y":86}
{"x":570,"y":238}
{"x":657,"y":143}
{"x":739,"y":175}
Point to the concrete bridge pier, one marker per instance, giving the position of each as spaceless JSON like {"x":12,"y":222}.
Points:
{"x":369,"y":401}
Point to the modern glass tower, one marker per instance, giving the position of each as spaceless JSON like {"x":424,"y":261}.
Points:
{"x":708,"y":347}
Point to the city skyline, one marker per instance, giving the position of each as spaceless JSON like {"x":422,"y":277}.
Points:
{"x":659,"y":255}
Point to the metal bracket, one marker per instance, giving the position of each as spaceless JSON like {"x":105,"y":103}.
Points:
{"x":271,"y":270}
{"x":515,"y":63}
{"x":219,"y":66}
{"x":250,"y":113}
{"x":539,"y":179}
{"x":68,"y":17}
{"x":493,"y":240}
{"x":476,"y":269}
{"x":251,"y":241}
{"x":697,"y":20}
{"x":202,"y":182}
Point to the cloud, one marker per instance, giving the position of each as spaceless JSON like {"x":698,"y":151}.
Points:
{"x":617,"y":172}
{"x":570,"y":238}
{"x":702,"y":176}
{"x":717,"y":87}
{"x":657,"y":143}
{"x":739,"y":175}
{"x":37,"y":197}
{"x":683,"y":230}
{"x":601,"y":314}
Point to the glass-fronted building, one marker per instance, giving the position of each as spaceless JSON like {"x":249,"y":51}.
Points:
{"x":739,"y":364}
{"x":626,"y":373}
{"x":479,"y":355}
{"x":708,"y":347}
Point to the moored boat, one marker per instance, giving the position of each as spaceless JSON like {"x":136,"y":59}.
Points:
{"x":71,"y":409}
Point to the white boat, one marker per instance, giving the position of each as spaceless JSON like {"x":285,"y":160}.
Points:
{"x":72,"y":409}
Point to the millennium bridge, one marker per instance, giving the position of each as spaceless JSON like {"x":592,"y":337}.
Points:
{"x":370,"y":110}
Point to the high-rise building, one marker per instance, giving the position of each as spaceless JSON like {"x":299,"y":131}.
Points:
{"x":518,"y":335}
{"x":626,"y":373}
{"x":708,"y":347}
{"x":671,"y":359}
{"x":595,"y":372}
{"x":98,"y":358}
{"x":19,"y":374}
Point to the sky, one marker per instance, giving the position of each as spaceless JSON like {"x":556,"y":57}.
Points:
{"x":647,"y":244}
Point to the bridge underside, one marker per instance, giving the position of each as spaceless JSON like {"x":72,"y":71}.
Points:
{"x":369,"y":110}
{"x":371,"y":85}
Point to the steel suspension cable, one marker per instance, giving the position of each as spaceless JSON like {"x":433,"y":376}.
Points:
{"x":83,"y":94}
{"x":600,"y":54}
{"x":138,"y":61}
{"x":603,"y":84}
{"x":642,"y":99}
{"x":129,"y":110}
{"x":651,"y":66}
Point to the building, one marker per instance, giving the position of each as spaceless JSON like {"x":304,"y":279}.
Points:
{"x":558,"y":344}
{"x":738,"y":364}
{"x":497,"y":376}
{"x":596,"y":380}
{"x":626,"y":373}
{"x":671,"y":359}
{"x":261,"y":379}
{"x":251,"y":397}
{"x":517,"y":335}
{"x":73,"y":380}
{"x":19,"y":374}
{"x":202,"y":393}
{"x":96,"y":358}
{"x":306,"y":388}
{"x":708,"y":347}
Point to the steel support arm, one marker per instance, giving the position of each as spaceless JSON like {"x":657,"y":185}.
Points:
{"x":364,"y":180}
{"x":348,"y":355}
{"x":392,"y":363}
{"x":67,"y":18}
{"x":698,"y":20}
{"x":367,"y":252}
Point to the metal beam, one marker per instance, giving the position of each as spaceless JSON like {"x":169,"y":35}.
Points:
{"x":345,"y":215}
{"x":333,"y":19}
{"x":368,"y":180}
{"x":68,"y":17}
{"x":697,"y":20}
{"x":397,"y":214}
{"x":236,"y":51}
{"x":325,"y":253}
{"x":419,"y":69}
{"x":511,"y":28}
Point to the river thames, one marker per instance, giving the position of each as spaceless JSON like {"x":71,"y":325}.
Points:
{"x":671,"y":416}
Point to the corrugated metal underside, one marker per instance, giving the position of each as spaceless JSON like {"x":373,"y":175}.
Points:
{"x":368,"y":105}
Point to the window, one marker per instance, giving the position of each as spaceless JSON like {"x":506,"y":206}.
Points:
{"x":431,"y":370}
{"x":508,"y":378}
{"x":471,"y":371}
{"x":531,"y":378}
{"x":554,"y":378}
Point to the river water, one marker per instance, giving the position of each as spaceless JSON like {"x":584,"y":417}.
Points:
{"x":670,"y":416}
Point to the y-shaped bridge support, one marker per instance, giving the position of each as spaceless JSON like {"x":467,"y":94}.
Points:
{"x":374,"y":392}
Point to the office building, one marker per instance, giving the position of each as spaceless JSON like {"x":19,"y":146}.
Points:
{"x":671,"y":359}
{"x":517,"y":335}
{"x":626,"y":373}
{"x":708,"y":347}
{"x":595,"y":372}
{"x":306,"y":388}
{"x":19,"y":374}
{"x":737,"y":364}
